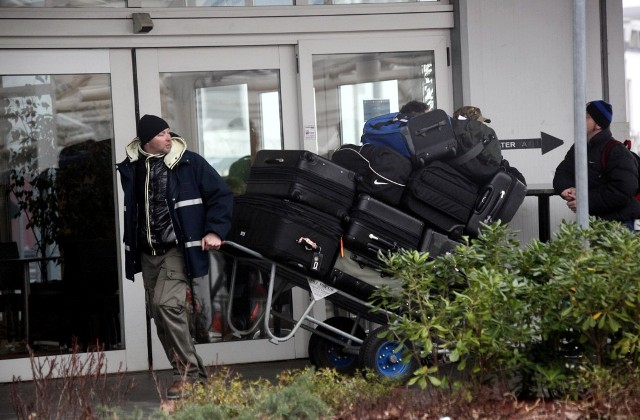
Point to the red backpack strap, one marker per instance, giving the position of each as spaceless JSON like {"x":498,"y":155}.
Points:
{"x":604,"y":156}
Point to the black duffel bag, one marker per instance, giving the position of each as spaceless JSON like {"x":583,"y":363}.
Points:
{"x":383,"y":172}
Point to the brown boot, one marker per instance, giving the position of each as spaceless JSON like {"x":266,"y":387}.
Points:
{"x":176,"y":390}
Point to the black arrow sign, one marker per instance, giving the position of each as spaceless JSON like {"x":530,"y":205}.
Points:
{"x":546,"y":142}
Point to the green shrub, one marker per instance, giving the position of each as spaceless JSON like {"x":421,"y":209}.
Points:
{"x":523,"y":318}
{"x":340,"y":391}
{"x":305,"y":394}
{"x":208,"y":411}
{"x":295,"y":400}
{"x":227,"y":391}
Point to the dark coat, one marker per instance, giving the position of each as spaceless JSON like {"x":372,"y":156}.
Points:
{"x":199,"y":203}
{"x":612,"y":191}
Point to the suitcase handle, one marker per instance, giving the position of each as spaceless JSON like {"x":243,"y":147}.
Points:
{"x":309,"y":157}
{"x":392,"y":246}
{"x":423,"y":131}
{"x":308,"y":244}
{"x":484,"y":200}
{"x":364,"y":262}
{"x":489,"y":219}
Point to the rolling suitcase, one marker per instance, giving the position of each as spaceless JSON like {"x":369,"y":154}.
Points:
{"x":498,"y":200}
{"x":362,"y":291}
{"x":350,"y":284}
{"x":374,"y":277}
{"x":375,"y":226}
{"x":383,"y":171}
{"x":304,"y":177}
{"x":436,"y":243}
{"x":430,"y":137}
{"x":293,"y":234}
{"x":442,"y":197}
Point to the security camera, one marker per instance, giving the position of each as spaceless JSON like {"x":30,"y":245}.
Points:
{"x":142,"y":23}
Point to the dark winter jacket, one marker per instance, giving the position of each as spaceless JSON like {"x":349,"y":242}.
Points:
{"x":198,"y":199}
{"x":612,"y":191}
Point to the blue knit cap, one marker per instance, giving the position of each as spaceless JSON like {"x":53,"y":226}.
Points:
{"x":601,"y":112}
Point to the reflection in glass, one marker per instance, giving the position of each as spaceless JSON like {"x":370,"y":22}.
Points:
{"x":350,"y":88}
{"x":227,"y":116}
{"x":56,"y":169}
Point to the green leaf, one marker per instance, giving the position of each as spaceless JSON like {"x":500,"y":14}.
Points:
{"x":435,"y":381}
{"x":613,"y":324}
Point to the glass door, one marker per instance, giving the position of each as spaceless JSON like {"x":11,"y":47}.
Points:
{"x":343,"y":84}
{"x":60,"y":289}
{"x":227,"y":103}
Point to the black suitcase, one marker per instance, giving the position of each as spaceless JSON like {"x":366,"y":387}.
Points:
{"x":383,"y":171}
{"x":363,"y":293}
{"x":498,"y":200}
{"x":304,"y":177}
{"x":430,"y":137}
{"x":436,"y":243}
{"x":293,"y":234}
{"x":442,"y":197}
{"x":374,"y":225}
{"x":350,"y":284}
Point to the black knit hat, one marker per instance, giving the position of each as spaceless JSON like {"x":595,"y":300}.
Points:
{"x":601,"y":112}
{"x":150,"y":126}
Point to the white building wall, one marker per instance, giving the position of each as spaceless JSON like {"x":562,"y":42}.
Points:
{"x":632,"y":71}
{"x":517,"y":66}
{"x":632,"y":64}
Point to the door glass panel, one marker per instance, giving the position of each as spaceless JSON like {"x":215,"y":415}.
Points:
{"x":227,"y":116}
{"x":58,"y":224}
{"x":351,"y":88}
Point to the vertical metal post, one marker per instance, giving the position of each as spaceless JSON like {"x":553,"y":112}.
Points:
{"x":579,"y":103}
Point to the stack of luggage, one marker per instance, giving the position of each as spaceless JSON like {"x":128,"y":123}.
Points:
{"x":294,"y":209}
{"x":423,"y":189}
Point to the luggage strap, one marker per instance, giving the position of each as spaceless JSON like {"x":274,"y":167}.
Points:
{"x":470,"y":154}
{"x":402,"y":118}
{"x":373,"y":170}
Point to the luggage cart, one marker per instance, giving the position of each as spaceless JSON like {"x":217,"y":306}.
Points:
{"x":340,"y":342}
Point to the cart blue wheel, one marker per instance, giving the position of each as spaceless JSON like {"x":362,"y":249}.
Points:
{"x":324,"y":353}
{"x":384,"y":356}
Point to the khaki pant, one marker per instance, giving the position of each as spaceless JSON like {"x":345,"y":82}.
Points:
{"x":166,"y":284}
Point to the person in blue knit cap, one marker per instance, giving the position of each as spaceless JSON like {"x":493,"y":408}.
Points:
{"x":612,"y":171}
